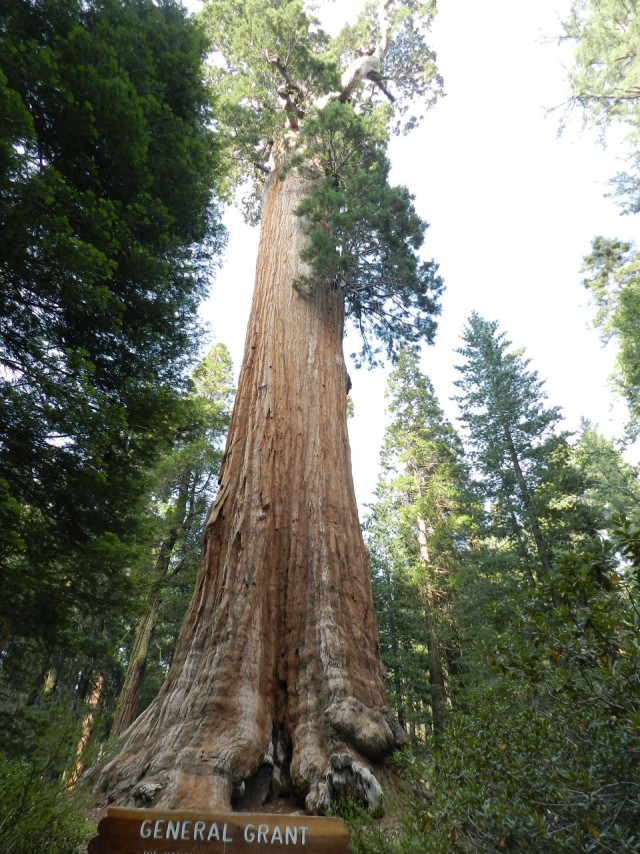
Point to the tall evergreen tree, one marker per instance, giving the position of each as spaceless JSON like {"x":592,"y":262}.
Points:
{"x":411,"y":534}
{"x":521,"y":461}
{"x":277,"y":669}
{"x":107,"y":163}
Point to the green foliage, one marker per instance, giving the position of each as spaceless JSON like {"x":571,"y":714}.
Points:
{"x":409,"y":68}
{"x":275,"y":66}
{"x":530,"y":491}
{"x":264,"y":48}
{"x":606,"y":83}
{"x":501,"y":402}
{"x":284,"y":86}
{"x":37,"y":817}
{"x":410,"y":536}
{"x":399,"y":597}
{"x":605,"y":78}
{"x":613,"y":281}
{"x":540,"y":746}
{"x":541,"y":749}
{"x":106,"y":168}
{"x":545,"y":750}
{"x":611,"y":483}
{"x":44,"y":686}
{"x":364,"y":235}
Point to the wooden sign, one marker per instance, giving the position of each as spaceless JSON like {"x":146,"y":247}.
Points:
{"x":134,"y":831}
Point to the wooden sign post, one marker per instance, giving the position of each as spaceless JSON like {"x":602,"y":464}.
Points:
{"x":135,"y":831}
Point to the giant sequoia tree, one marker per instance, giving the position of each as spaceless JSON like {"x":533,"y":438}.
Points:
{"x":276,"y":676}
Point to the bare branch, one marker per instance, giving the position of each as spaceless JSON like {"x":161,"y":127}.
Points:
{"x":367,"y":65}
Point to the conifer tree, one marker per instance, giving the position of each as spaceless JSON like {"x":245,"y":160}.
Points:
{"x":520,"y":459}
{"x":276,"y":686}
{"x":411,"y":533}
{"x":107,"y":162}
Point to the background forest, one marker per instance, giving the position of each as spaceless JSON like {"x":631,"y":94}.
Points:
{"x":505,"y":551}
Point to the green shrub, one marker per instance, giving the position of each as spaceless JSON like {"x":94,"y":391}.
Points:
{"x":37,"y":816}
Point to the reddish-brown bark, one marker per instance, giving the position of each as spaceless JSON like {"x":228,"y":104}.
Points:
{"x":278,"y":653}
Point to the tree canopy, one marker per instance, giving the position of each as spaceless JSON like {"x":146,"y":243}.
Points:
{"x":289,"y":92}
{"x":107,"y":164}
{"x":612,"y":277}
{"x":605,"y":81}
{"x":605,"y":78}
{"x":520,"y":458}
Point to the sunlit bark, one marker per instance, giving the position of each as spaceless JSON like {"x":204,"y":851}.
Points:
{"x":88,"y":721}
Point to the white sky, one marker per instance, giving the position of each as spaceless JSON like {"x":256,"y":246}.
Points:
{"x":512,"y":207}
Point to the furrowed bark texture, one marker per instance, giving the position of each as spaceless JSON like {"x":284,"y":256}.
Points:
{"x":277,"y":666}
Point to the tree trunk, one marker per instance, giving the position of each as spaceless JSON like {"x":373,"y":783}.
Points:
{"x":129,"y":698}
{"x":436,"y":672}
{"x":93,"y":704}
{"x":538,"y":539}
{"x":277,"y":664}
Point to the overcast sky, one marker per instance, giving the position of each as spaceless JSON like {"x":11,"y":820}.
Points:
{"x":512,"y":209}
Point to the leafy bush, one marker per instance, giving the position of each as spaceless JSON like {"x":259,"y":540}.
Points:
{"x":541,"y":750}
{"x":37,"y":817}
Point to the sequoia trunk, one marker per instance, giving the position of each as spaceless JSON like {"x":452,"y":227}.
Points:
{"x":277,"y":665}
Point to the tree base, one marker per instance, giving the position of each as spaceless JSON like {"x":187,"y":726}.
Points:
{"x":356,"y":742}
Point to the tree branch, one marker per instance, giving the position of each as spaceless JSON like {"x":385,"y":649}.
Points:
{"x":367,"y":65}
{"x":632,"y":94}
{"x":290,"y":93}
